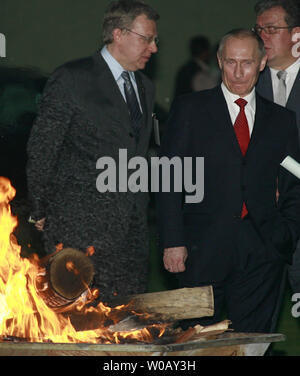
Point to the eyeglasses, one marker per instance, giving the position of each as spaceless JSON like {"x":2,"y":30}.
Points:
{"x":269,"y":29}
{"x":148,"y":40}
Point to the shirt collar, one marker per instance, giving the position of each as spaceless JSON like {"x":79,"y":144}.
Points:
{"x":292,"y":69}
{"x":231,"y":98}
{"x":115,"y":67}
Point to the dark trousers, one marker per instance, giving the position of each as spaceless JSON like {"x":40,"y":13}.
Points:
{"x":294,"y":271}
{"x":250,"y":292}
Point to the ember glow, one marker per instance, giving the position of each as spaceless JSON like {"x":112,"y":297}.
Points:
{"x":90,"y":251}
{"x":71,"y":267}
{"x":25,"y":315}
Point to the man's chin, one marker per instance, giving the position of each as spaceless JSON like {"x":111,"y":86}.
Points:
{"x":269,"y":54}
{"x":239,"y":90}
{"x":142,"y":65}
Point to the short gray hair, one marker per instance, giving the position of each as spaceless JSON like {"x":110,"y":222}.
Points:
{"x":240,"y":34}
{"x":120,"y":15}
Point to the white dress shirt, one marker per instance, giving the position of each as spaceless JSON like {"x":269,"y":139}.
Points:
{"x":117,"y":69}
{"x":234,"y":109}
{"x":292,"y":72}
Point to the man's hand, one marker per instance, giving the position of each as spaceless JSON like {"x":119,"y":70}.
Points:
{"x":174,"y":259}
{"x":40,"y":224}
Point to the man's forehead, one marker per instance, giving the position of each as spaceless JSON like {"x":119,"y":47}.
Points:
{"x":272,"y":16}
{"x":142,"y":18}
{"x":144,"y":24}
{"x":240,"y":44}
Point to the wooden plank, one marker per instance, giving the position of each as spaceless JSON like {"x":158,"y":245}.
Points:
{"x":163,"y":306}
{"x":172,"y":305}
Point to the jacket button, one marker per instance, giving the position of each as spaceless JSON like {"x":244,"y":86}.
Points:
{"x":131,"y":134}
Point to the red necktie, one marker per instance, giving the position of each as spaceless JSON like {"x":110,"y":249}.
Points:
{"x":241,"y":129}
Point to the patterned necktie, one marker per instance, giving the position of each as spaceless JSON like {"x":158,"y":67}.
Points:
{"x":241,"y":129}
{"x":132,"y":102}
{"x":280,"y":95}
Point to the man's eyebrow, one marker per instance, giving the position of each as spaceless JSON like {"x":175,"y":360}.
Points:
{"x":233,"y":59}
{"x":269,"y":24}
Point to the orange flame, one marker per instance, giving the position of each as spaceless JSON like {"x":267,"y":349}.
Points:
{"x":23,"y":313}
{"x":59,"y":247}
{"x":90,"y":251}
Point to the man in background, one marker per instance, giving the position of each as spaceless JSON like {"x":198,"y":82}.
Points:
{"x":278,"y":24}
{"x":196,"y":74}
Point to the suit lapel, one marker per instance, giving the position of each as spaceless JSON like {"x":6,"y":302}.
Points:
{"x":146,"y":99}
{"x":109,"y":92}
{"x":142,"y":95}
{"x":220,"y":113}
{"x":293,"y":100}
{"x":264,"y":86}
{"x":261,"y":123}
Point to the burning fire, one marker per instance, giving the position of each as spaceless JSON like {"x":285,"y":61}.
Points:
{"x":25,"y":315}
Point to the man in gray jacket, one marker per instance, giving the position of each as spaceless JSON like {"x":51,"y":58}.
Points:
{"x":92,"y":108}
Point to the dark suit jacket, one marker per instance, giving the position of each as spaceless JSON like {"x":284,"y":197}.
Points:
{"x":265,"y":89}
{"x":200,"y":125}
{"x":83,"y":117}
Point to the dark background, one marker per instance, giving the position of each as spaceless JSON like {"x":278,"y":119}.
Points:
{"x":45,"y":33}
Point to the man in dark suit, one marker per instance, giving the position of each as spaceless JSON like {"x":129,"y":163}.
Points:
{"x":92,"y":108}
{"x":195,"y":74}
{"x":238,"y":238}
{"x":278,"y":24}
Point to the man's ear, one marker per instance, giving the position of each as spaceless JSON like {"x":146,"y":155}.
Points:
{"x":263,"y":63}
{"x":219,"y":61}
{"x":117,"y":34}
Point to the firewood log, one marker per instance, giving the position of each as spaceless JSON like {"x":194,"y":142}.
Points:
{"x":172,"y":305}
{"x":71,"y":272}
{"x":63,"y":277}
{"x":164,"y":306}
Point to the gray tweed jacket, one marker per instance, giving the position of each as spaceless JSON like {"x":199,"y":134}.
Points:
{"x":83,"y":117}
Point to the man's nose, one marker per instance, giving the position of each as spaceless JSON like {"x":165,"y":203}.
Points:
{"x":264,"y":36}
{"x":153,"y":47}
{"x":238,"y":72}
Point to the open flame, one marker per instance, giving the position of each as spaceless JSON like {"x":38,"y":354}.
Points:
{"x":25,"y":315}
